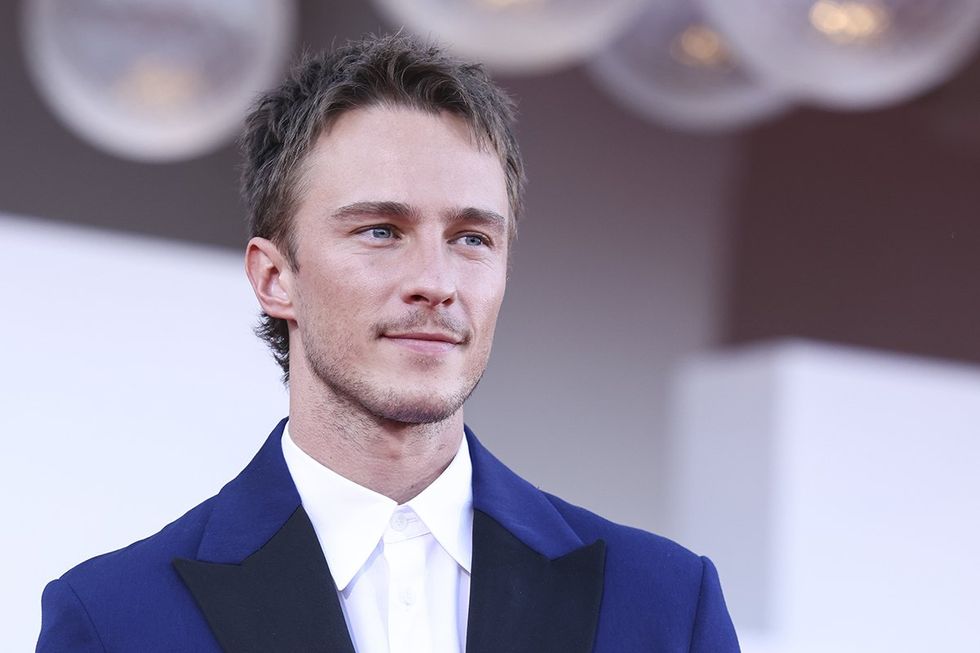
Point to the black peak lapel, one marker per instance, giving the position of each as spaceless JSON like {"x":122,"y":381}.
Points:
{"x":280,"y":598}
{"x":524,"y":602}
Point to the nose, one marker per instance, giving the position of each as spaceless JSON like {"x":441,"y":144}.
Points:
{"x":429,"y":279}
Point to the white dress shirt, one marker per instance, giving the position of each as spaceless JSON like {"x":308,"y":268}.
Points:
{"x":402,"y":571}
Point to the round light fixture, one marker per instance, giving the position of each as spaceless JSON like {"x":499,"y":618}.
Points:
{"x":155,"y":80}
{"x":850,"y":53}
{"x":516,"y":36}
{"x":675,"y":68}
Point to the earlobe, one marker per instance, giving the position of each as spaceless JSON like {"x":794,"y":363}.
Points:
{"x":271,"y":278}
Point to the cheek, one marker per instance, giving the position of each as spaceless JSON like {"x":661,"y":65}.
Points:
{"x":487,"y":308}
{"x":343,"y":279}
{"x":337,"y":301}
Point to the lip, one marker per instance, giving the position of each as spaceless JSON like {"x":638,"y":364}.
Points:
{"x":424,"y":343}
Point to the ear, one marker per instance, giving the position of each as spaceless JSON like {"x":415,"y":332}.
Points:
{"x":271,"y":277}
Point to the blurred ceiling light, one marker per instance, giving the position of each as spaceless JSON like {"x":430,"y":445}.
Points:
{"x":504,"y":4}
{"x":848,"y":22}
{"x":672,"y":67}
{"x":516,"y":36}
{"x":850,"y":53}
{"x":155,"y":80}
{"x":699,"y":45}
{"x":154,"y":86}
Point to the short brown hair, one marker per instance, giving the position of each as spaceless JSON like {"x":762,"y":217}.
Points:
{"x":375,"y":70}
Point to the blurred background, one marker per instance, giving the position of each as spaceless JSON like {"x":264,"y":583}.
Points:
{"x":743,"y":309}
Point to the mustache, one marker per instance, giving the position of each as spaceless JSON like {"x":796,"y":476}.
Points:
{"x":425,"y":321}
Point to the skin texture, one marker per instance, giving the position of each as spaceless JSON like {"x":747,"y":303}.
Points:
{"x":401,"y":236}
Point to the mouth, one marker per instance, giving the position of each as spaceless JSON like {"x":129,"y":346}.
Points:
{"x":424,"y":342}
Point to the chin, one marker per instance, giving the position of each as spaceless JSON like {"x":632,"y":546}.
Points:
{"x":416,"y":408}
{"x":420,"y":405}
{"x":415,"y":413}
{"x":407,"y":396}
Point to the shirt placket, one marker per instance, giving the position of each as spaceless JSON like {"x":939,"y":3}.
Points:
{"x":404,"y":551}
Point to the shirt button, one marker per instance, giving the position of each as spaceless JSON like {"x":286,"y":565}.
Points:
{"x":407,"y":597}
{"x":399,"y":521}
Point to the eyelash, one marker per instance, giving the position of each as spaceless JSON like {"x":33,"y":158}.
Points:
{"x":484,"y":240}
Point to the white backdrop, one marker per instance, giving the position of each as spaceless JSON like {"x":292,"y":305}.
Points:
{"x":132,"y":388}
{"x":838,"y":491}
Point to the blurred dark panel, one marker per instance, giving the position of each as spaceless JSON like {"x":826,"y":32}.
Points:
{"x":47,"y":171}
{"x":864,"y":228}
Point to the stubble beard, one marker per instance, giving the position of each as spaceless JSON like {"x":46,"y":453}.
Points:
{"x":351,"y":387}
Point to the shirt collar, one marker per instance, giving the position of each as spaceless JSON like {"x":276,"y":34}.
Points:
{"x":337,"y":505}
{"x":446,"y":507}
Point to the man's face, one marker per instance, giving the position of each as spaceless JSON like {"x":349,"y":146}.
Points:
{"x":401,"y":239}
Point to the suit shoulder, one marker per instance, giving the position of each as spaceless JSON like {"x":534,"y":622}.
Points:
{"x":642,"y":551}
{"x":116,"y":600}
{"x":142,"y":558}
{"x":667,"y":597}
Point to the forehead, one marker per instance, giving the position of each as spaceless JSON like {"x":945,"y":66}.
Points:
{"x":381,"y":153}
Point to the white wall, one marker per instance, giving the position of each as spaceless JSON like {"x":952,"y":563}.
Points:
{"x":838,"y":491}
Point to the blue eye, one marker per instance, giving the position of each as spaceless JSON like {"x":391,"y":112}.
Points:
{"x":474,"y":241}
{"x":381,"y":233}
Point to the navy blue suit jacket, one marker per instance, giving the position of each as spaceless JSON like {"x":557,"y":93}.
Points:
{"x":244,"y":571}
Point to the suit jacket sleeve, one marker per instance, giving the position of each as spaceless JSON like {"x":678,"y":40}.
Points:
{"x":65,"y":623}
{"x":713,"y":629}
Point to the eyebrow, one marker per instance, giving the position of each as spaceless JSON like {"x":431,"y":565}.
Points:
{"x":407,"y":212}
{"x":359,"y":209}
{"x":484,"y":216}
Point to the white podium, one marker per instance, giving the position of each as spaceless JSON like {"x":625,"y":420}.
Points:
{"x":838,"y":491}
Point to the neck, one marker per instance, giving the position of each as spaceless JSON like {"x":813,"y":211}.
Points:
{"x":392,"y":458}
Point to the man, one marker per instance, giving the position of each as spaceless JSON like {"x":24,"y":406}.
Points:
{"x":383,"y":185}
